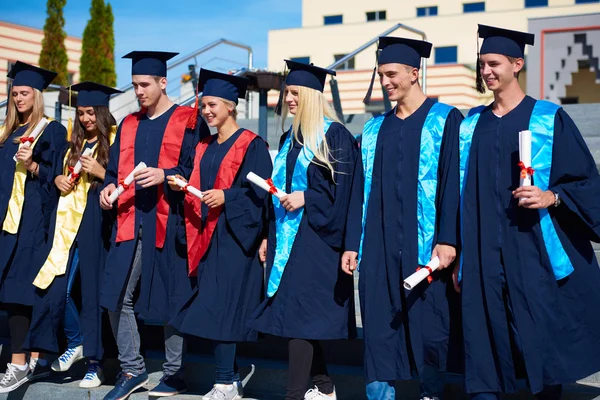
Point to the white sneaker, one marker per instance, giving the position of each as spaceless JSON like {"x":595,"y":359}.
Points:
{"x":69,"y":357}
{"x":315,"y":394}
{"x":93,"y":378}
{"x":223,"y":392}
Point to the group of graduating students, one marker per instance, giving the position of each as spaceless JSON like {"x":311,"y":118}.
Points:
{"x":423,"y":183}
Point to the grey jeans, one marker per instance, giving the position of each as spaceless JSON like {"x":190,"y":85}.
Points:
{"x":125,"y":330}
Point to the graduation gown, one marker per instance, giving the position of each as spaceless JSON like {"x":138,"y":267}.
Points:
{"x":315,"y":299}
{"x":22,"y":254}
{"x":92,"y":243}
{"x":403,"y":328}
{"x":556,"y":323}
{"x":230,"y":275}
{"x":164,"y":283}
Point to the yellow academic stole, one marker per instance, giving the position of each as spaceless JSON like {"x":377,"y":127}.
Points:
{"x":17,"y":197}
{"x":69,"y":215}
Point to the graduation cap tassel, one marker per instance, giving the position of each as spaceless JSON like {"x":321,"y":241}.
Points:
{"x":367,"y":98}
{"x":70,"y":123}
{"x":193,"y":120}
{"x":479,"y":79}
{"x":279,"y":106}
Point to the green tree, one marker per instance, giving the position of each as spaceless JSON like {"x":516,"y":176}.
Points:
{"x":109,"y":75}
{"x":97,"y":56}
{"x":54,"y":53}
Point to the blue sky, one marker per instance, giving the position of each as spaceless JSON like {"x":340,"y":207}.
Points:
{"x":183,"y":26}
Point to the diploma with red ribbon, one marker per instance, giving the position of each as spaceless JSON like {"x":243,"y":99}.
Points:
{"x":28,"y":141}
{"x":124,"y":184}
{"x":187,"y":188}
{"x":525,"y":157}
{"x":74,"y":171}
{"x":265,"y":184}
{"x":526,"y":172}
{"x":422,"y":274}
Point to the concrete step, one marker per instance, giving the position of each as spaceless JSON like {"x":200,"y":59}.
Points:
{"x":267,"y":383}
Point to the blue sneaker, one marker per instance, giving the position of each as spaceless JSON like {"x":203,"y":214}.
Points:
{"x":169,"y":386}
{"x":126,"y":384}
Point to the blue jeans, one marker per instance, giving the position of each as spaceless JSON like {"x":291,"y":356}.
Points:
{"x":72,"y":327}
{"x":124,"y":326}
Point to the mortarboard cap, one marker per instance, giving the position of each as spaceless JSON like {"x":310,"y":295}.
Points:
{"x":504,"y":41}
{"x":229,"y":87}
{"x":24,"y":74}
{"x":92,"y":94}
{"x":149,"y":62}
{"x":399,"y":50}
{"x":307,"y":75}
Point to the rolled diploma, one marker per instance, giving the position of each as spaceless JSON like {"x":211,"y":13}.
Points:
{"x":77,"y":167}
{"x":420,"y":275}
{"x":128,"y":180}
{"x":191,"y":189}
{"x":261,"y":183}
{"x":525,"y":155}
{"x":34,"y":134}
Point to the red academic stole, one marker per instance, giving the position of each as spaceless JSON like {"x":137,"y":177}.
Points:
{"x":168,"y":158}
{"x":198,"y":239}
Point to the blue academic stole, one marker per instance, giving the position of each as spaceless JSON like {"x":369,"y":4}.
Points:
{"x":541,"y":125}
{"x":288,"y":222}
{"x":431,"y":140}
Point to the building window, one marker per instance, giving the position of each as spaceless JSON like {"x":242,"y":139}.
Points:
{"x":570,"y":100}
{"x":585,"y":2}
{"x":376,"y":16}
{"x":70,"y":78}
{"x":303,"y":60}
{"x":427,"y":11}
{"x":348,"y":64}
{"x":474,"y":7}
{"x":536,"y":3}
{"x":333,"y":19}
{"x":446,"y":55}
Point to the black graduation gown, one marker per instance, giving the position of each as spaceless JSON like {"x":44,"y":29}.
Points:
{"x":315,"y":299}
{"x":92,"y":242}
{"x":22,"y":254}
{"x":557,"y":323}
{"x":164,"y":284}
{"x":404,"y":329}
{"x":230,"y":275}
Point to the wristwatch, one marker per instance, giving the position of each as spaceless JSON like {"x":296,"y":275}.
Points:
{"x":557,"y":199}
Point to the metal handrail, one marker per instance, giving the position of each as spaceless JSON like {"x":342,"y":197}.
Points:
{"x":374,"y":40}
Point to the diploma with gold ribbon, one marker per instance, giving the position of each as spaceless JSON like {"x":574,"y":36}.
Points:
{"x":265,"y":184}
{"x":126,"y":182}
{"x":28,"y":141}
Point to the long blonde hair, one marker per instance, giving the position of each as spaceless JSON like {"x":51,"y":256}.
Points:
{"x":13,"y":121}
{"x":312,"y":108}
